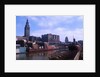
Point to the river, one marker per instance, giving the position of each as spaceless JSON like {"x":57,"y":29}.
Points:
{"x":43,"y":55}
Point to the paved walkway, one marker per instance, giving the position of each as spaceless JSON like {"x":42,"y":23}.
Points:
{"x":77,"y":56}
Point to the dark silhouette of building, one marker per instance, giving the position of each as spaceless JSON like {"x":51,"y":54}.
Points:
{"x":74,"y":41}
{"x":34,"y":38}
{"x":80,"y":42}
{"x":50,"y":38}
{"x":66,"y":39}
{"x":21,"y":42}
{"x":27,"y":30}
{"x":21,"y":38}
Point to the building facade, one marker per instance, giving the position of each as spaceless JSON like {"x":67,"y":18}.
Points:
{"x":66,"y":39}
{"x":74,"y":41}
{"x":20,"y":38}
{"x":80,"y":42}
{"x":50,"y":38}
{"x":34,"y":38}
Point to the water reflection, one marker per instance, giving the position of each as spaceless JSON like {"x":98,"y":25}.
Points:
{"x":43,"y":55}
{"x":35,"y":56}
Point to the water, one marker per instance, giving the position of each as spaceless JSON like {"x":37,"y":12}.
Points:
{"x":43,"y":55}
{"x":20,"y":49}
{"x":35,"y":56}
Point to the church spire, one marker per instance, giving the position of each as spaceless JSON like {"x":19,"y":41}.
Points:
{"x":27,"y":29}
{"x":27,"y":23}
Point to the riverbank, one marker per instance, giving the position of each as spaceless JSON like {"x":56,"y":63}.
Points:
{"x":36,"y":50}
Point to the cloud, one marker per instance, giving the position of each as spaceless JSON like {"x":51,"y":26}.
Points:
{"x":78,"y":33}
{"x":55,"y":21}
{"x":61,"y":25}
{"x":40,"y":32}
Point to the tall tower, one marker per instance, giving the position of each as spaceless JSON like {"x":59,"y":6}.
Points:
{"x":66,"y":39}
{"x":27,"y":29}
{"x":74,"y":41}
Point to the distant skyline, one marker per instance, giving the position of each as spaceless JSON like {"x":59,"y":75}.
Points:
{"x":70,"y":26}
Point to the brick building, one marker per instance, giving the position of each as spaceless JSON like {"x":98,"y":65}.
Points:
{"x":50,"y":38}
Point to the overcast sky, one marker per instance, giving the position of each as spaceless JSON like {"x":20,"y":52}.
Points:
{"x":70,"y":26}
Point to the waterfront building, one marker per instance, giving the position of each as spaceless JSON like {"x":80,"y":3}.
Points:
{"x":20,"y":38}
{"x":50,"y":38}
{"x":34,"y":38}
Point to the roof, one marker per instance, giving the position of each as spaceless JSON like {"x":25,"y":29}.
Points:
{"x":20,"y":37}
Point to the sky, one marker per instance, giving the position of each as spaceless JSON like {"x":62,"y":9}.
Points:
{"x":63,"y":25}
